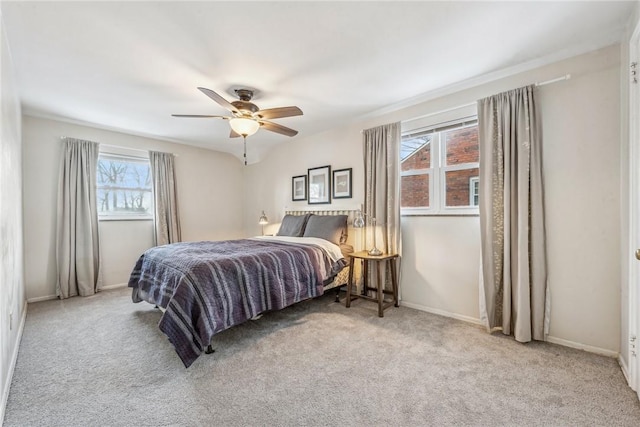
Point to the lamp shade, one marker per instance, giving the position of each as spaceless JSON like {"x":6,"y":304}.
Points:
{"x":244,"y":127}
{"x":263,"y":219}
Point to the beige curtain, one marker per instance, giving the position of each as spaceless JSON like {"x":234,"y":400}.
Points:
{"x":167,"y":219}
{"x":382,"y":186}
{"x":514,"y":293}
{"x":77,"y":246}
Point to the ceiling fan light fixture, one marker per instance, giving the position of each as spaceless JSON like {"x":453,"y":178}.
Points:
{"x":243,"y":126}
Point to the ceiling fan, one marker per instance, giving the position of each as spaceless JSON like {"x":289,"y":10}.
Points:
{"x":246,"y":118}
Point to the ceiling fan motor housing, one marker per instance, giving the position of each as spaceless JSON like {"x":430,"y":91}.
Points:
{"x":245,"y":107}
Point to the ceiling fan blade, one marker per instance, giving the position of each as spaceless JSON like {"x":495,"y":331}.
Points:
{"x":274,"y":127}
{"x":200,"y":116}
{"x":234,"y":134}
{"x":277,"y":113}
{"x":220,"y":100}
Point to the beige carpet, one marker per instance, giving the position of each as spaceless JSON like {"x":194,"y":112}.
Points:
{"x":101,"y":361}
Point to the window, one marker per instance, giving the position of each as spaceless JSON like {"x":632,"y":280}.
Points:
{"x":439,"y":169}
{"x":124,"y":187}
{"x":474,"y":193}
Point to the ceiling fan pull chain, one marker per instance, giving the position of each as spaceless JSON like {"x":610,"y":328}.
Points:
{"x":245,"y":149}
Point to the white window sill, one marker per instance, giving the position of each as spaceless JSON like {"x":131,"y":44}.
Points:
{"x":447,"y":212}
{"x":125,"y":218}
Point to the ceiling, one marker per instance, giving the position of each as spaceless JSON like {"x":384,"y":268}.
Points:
{"x":128,"y":66}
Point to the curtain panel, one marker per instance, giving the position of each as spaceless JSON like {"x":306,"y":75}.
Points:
{"x":514,"y":293}
{"x":381,"y":146}
{"x":77,"y":243}
{"x":166,"y":216}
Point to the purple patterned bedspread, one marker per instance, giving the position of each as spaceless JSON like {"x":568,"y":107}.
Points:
{"x":207,"y":287}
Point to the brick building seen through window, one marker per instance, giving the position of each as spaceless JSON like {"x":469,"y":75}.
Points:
{"x":456,"y":173}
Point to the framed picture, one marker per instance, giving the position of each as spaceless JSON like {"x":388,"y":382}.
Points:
{"x":299,"y":188}
{"x":342,"y":183}
{"x":319,"y":185}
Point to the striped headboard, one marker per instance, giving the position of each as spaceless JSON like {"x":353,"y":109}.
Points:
{"x":354,"y":238}
{"x":349,"y":210}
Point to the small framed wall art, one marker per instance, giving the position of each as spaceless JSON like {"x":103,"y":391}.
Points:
{"x":342,"y":184}
{"x":319,"y":185}
{"x":299,"y":188}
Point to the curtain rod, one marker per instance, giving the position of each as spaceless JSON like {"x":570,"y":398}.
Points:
{"x":557,"y":79}
{"x":543,"y":83}
{"x":121,"y":147}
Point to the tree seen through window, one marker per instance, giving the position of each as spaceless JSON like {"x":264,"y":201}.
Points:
{"x":124,"y":186}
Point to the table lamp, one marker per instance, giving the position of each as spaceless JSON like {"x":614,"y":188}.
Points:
{"x":359,"y":222}
{"x":263,"y":221}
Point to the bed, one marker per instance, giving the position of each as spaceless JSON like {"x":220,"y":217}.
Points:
{"x":207,"y":287}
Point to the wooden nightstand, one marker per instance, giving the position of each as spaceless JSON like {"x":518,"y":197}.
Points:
{"x":365,"y":258}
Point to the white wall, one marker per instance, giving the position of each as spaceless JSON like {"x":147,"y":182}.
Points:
{"x":440,"y":263}
{"x":210,"y":186}
{"x":268,"y":183}
{"x":582,"y":164}
{"x":12,"y":299}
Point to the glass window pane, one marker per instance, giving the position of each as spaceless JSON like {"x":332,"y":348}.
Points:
{"x":461,"y":145}
{"x":415,"y":152}
{"x":120,"y":202}
{"x":460,"y":187}
{"x":124,"y":186}
{"x":414,"y":191}
{"x":474,"y":197}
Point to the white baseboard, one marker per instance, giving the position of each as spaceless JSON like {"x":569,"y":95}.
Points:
{"x":116,"y":286}
{"x":50,"y":297}
{"x":585,"y":347}
{"x":44,"y":298}
{"x":12,"y":366}
{"x":444,"y":313}
{"x":554,"y":340}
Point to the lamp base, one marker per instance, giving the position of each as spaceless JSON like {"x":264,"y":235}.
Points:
{"x":375,"y":252}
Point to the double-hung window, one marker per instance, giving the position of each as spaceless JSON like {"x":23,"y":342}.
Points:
{"x":124,"y":187}
{"x":439,"y":169}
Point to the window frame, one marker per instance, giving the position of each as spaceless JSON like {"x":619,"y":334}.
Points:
{"x":438,"y":170}
{"x":474,"y":191}
{"x":133,"y":216}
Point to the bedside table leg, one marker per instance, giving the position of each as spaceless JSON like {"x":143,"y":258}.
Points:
{"x":365,"y":277}
{"x":380,"y":292}
{"x":350,"y":284}
{"x":394,"y":281}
